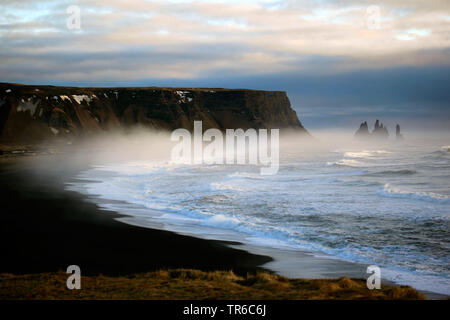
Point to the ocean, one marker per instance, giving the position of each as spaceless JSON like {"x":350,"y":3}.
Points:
{"x":386,"y":205}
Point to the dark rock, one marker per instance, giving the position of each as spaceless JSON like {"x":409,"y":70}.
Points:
{"x":363,"y":131}
{"x":379,"y":131}
{"x":34,"y":113}
{"x":398,"y":134}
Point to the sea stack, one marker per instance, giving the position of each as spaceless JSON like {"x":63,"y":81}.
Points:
{"x":398,"y":135}
{"x":379,"y":132}
{"x":363,"y":131}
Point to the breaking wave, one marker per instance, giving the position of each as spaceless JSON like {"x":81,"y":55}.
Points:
{"x":425,"y":196}
{"x":346,"y":163}
{"x":315,"y":205}
{"x":225,"y":186}
{"x":365,"y":153}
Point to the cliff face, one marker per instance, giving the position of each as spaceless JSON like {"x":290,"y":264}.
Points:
{"x":32,"y":113}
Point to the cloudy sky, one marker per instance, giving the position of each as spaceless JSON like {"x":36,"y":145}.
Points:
{"x":340,"y":62}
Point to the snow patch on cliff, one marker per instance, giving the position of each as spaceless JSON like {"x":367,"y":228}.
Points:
{"x":183,"y":96}
{"x":80,"y":98}
{"x":27,"y":106}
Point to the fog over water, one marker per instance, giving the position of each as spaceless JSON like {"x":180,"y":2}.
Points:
{"x":383,"y":203}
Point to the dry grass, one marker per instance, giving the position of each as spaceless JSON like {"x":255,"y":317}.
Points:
{"x":194,"y":284}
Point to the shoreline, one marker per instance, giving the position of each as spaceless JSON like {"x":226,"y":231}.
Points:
{"x":46,"y":228}
{"x":289,"y":263}
{"x":92,"y":235}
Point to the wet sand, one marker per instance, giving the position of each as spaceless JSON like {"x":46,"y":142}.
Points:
{"x":45,"y":228}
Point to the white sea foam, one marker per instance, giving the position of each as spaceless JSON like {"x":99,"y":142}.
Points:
{"x":306,"y":206}
{"x":365,"y":153}
{"x":225,"y":186}
{"x":247,"y":175}
{"x":346,"y":163}
{"x":418,"y":195}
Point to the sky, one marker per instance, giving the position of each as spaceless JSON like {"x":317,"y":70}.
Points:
{"x":340,"y":62}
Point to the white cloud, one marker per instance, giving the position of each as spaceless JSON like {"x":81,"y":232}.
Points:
{"x":137,"y":39}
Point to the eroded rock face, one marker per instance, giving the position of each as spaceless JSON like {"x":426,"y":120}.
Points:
{"x":363,"y":131}
{"x":398,"y":134}
{"x":379,"y":131}
{"x":33,"y":113}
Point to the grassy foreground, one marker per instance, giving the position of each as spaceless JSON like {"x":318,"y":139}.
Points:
{"x":194,"y":284}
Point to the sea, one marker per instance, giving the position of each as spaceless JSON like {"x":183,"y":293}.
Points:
{"x":385,"y":204}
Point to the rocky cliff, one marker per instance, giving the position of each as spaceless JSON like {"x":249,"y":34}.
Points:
{"x":30,"y":114}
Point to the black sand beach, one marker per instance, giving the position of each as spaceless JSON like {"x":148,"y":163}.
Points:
{"x":45,"y":228}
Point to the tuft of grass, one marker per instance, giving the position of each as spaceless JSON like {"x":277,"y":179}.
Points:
{"x":176,"y":284}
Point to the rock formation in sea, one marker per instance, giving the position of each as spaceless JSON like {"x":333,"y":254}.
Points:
{"x":379,"y":131}
{"x":31,"y":114}
{"x":363,"y":131}
{"x":398,"y":134}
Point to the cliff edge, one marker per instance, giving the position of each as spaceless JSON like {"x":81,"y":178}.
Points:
{"x":30,"y":114}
